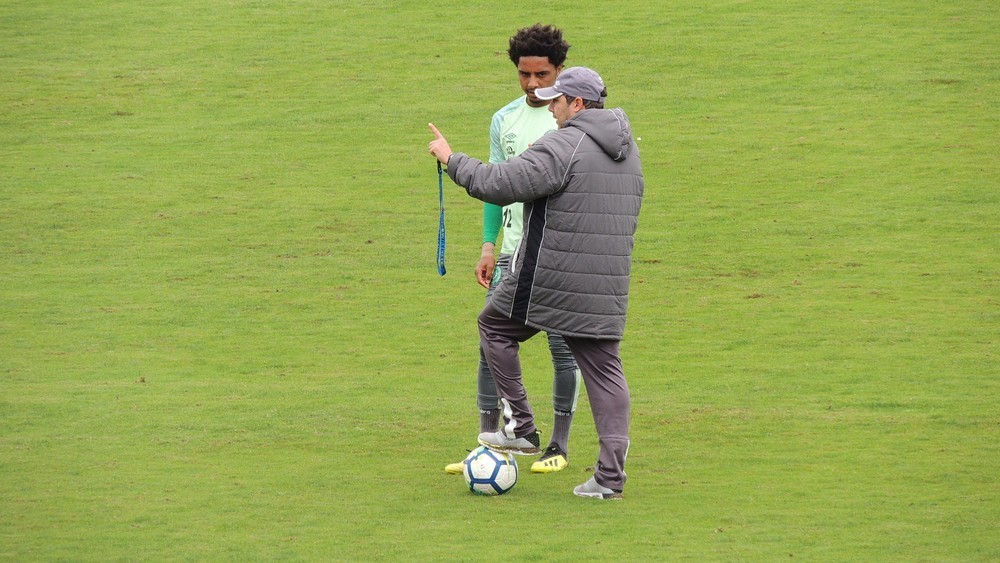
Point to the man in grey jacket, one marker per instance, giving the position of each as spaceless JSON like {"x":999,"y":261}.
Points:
{"x":582,"y":190}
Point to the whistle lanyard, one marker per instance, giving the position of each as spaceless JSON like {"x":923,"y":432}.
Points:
{"x":441,"y":237}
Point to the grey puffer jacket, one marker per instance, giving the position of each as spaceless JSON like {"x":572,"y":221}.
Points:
{"x":582,"y":189}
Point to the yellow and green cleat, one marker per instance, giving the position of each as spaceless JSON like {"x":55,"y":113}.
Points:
{"x":553,"y":460}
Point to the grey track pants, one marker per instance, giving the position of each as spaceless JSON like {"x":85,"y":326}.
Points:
{"x":600,"y":362}
{"x":565,"y":385}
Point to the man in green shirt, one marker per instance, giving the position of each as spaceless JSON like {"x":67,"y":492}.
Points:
{"x":538,"y":52}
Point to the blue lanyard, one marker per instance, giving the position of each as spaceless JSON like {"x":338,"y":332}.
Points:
{"x":441,"y":238}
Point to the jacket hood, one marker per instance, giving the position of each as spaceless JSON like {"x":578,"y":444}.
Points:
{"x":609,"y":128}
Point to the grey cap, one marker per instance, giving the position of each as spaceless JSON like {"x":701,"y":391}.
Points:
{"x":578,"y":82}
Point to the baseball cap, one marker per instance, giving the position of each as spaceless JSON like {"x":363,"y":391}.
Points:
{"x":578,"y":82}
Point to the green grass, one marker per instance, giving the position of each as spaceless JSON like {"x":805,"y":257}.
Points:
{"x":222,"y":336}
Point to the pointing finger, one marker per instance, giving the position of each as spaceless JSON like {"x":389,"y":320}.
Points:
{"x":437,"y":134}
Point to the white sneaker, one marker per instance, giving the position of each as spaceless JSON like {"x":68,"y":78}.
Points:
{"x":499,"y":442}
{"x":591,"y":489}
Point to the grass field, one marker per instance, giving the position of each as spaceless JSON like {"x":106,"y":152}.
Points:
{"x":222,"y":335}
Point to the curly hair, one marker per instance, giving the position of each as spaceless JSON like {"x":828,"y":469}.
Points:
{"x":539,"y":41}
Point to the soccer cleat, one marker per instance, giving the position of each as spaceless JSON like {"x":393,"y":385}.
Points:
{"x":591,"y":489}
{"x":553,"y":460}
{"x":497,"y":441}
{"x":456,"y":468}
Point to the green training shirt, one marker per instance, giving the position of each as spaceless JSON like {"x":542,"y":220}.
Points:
{"x":513,"y":129}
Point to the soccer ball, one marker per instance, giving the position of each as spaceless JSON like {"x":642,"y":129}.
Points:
{"x":488,"y":472}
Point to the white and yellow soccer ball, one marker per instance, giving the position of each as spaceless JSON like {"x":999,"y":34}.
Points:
{"x":488,"y":472}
